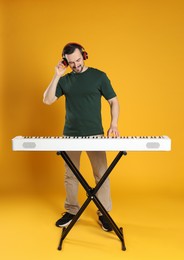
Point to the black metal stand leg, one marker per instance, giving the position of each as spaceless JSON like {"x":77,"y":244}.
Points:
{"x":91,"y":193}
{"x":61,"y":240}
{"x":67,"y":229}
{"x":118,"y":231}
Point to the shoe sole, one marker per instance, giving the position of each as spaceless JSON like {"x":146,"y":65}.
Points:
{"x":66,"y":224}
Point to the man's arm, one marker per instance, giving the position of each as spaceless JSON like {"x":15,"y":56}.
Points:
{"x":114,"y":108}
{"x":49,"y":96}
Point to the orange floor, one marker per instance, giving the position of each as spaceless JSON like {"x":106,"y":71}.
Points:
{"x":153,"y":229}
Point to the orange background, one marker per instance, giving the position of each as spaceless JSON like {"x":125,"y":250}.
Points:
{"x":138,"y":43}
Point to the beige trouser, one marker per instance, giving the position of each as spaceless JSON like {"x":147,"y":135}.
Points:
{"x":98,"y":162}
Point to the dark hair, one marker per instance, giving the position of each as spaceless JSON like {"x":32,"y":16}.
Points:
{"x":70,"y":48}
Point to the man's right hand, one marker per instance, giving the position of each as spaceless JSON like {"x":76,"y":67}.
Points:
{"x":60,"y":69}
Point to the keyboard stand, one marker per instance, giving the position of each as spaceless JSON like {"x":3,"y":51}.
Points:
{"x":91,"y":196}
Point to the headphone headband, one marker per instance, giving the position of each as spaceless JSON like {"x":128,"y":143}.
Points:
{"x":72,"y":45}
{"x":69,"y":48}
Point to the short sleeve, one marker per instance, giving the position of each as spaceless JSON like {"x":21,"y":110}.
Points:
{"x":59,"y":91}
{"x":106,"y":88}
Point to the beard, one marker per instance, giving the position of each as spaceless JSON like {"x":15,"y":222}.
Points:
{"x":78,"y":69}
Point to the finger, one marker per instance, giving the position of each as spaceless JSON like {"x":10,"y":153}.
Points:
{"x":111,"y":133}
{"x":115,"y":133}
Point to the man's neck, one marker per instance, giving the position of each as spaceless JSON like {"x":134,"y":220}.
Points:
{"x":84,"y":69}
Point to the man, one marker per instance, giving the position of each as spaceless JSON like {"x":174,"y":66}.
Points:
{"x":83,"y":88}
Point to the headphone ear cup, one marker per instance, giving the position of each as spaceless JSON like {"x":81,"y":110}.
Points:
{"x":85,"y":55}
{"x":65,"y":62}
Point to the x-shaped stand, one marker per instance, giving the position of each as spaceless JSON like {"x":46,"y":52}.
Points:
{"x":91,"y":195}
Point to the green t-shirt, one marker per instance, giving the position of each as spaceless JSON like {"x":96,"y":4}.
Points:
{"x":83,"y":92}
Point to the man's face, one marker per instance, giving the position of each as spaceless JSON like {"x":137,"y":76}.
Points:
{"x":75,"y":61}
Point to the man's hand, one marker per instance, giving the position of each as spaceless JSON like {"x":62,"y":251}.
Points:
{"x":60,"y":69}
{"x":113,"y":132}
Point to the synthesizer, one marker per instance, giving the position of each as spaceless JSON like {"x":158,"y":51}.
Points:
{"x":89,"y":143}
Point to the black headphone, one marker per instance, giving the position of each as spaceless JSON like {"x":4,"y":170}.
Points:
{"x":69,"y":48}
